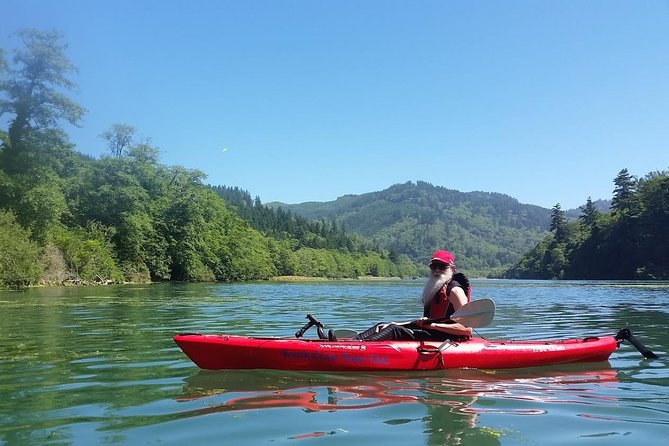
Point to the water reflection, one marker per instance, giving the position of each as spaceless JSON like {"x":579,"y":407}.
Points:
{"x":97,"y":365}
{"x":244,"y":390}
{"x":453,"y":400}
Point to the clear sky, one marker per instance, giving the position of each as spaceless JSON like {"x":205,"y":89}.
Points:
{"x":308,"y":100}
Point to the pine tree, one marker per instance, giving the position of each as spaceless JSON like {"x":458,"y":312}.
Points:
{"x":589,"y":214}
{"x":625,"y":200}
{"x":558,"y":223}
{"x":33,"y":91}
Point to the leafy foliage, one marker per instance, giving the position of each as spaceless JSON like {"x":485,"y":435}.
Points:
{"x":318,"y":248}
{"x":88,"y":253}
{"x":19,"y":256}
{"x":630,"y":243}
{"x":282,"y":224}
{"x":485,"y":230}
{"x":126,"y":216}
{"x":33,"y":89}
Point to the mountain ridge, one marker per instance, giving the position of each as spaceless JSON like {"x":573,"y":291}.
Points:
{"x":487,"y":231}
{"x":601,"y":204}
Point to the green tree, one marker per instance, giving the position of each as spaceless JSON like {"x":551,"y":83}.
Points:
{"x":144,"y":153}
{"x":558,"y":223}
{"x":20,"y":263}
{"x":653,"y":224}
{"x":119,"y":138}
{"x":589,"y":214}
{"x":88,"y":253}
{"x":41,"y":207}
{"x":32,"y":91}
{"x":7,"y":189}
{"x":631,"y":244}
{"x":625,"y":200}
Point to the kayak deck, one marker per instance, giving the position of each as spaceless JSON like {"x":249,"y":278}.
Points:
{"x":215,"y":352}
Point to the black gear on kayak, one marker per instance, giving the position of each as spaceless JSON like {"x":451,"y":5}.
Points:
{"x":623,"y":334}
{"x":312,"y":321}
{"x":626,"y":335}
{"x":464,"y":283}
{"x":411,"y":332}
{"x":387,"y":333}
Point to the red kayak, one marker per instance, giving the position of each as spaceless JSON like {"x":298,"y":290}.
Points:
{"x":216,"y":352}
{"x":340,"y":351}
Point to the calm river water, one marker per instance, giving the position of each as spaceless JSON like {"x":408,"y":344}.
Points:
{"x":97,"y":365}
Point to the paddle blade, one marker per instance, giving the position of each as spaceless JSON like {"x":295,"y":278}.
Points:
{"x":475,"y":314}
{"x":345,"y":333}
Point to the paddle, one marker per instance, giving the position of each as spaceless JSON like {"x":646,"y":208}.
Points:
{"x":626,"y":335}
{"x":345,"y":333}
{"x":475,"y":314}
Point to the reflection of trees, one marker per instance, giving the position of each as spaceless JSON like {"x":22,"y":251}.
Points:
{"x":450,"y":417}
{"x":70,"y":348}
{"x":468,"y":395}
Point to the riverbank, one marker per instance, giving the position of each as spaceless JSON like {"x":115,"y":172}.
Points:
{"x":74,"y":282}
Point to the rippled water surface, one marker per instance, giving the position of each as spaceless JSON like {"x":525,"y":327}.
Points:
{"x":98,"y":366}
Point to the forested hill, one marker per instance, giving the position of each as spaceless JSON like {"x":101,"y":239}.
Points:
{"x":68,"y":218}
{"x":630,"y":242}
{"x":602,"y":206}
{"x":283,"y":225}
{"x":485,"y":231}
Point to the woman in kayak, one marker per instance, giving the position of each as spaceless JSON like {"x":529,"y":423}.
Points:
{"x":444,"y":293}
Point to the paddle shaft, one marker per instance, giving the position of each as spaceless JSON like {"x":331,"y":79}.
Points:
{"x":626,"y":334}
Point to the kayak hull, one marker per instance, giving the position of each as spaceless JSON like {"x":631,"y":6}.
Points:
{"x":216,"y":352}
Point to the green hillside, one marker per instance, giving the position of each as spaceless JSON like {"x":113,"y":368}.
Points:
{"x":66,"y":218}
{"x":486,"y":231}
{"x":629,"y":243}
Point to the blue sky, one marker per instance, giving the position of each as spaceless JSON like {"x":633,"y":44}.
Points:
{"x":545,"y":101}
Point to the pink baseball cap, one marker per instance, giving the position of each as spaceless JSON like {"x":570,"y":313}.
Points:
{"x":443,"y":256}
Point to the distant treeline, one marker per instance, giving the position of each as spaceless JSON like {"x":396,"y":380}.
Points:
{"x":281,"y":224}
{"x":69,"y":218}
{"x":631,"y":242}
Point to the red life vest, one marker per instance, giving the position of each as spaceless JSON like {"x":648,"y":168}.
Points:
{"x":440,"y":307}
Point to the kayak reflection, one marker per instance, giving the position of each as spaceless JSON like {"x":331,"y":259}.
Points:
{"x":264,"y":389}
{"x":454,"y":399}
{"x":231,"y":391}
